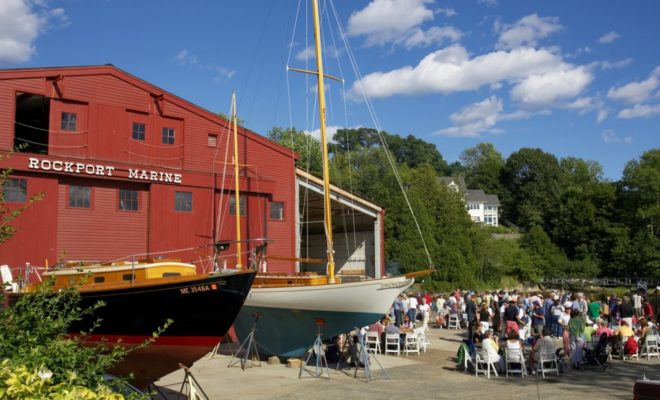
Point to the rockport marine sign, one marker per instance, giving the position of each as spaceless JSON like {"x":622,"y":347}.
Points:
{"x":80,"y":168}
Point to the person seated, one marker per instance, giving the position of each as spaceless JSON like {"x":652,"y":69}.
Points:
{"x":624,"y":330}
{"x":603,"y":329}
{"x":407,"y":324}
{"x":490,"y":346}
{"x":513,"y":341}
{"x":545,"y":344}
{"x":589,"y":330}
{"x":478,"y":335}
{"x":378,"y":326}
{"x":643,"y":331}
{"x":391,"y":328}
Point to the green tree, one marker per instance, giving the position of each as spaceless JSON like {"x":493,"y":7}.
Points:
{"x":483,"y":166}
{"x":530,"y":180}
{"x":307,"y":147}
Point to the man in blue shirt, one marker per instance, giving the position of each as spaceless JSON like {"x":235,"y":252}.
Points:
{"x":538,"y":319}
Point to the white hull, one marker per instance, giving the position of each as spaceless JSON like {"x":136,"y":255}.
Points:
{"x":371,"y":296}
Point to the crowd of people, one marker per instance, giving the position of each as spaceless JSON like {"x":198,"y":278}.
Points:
{"x":510,"y":319}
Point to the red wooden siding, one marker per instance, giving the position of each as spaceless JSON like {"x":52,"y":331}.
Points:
{"x":35,"y":239}
{"x":103,"y":232}
{"x":107,"y":101}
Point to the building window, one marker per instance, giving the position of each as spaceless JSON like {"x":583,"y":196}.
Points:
{"x":15,"y":190}
{"x":99,"y":279}
{"x":128,"y":200}
{"x":80,"y":196}
{"x":128,"y":277}
{"x":68,"y":121}
{"x":168,"y":135}
{"x":139,"y":131}
{"x":212,"y":140}
{"x":183,"y":201}
{"x":232,"y":205}
{"x":277,"y":211}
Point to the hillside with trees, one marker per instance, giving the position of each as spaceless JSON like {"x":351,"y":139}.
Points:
{"x":572,"y":221}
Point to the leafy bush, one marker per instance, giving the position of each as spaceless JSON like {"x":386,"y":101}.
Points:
{"x":40,"y":360}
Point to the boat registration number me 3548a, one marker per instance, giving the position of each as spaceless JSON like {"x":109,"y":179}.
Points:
{"x":200,"y":288}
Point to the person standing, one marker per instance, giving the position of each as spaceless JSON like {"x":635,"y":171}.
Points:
{"x":398,"y":311}
{"x":637,"y":303}
{"x":576,"y":333}
{"x":412,"y":308}
{"x":425,"y":311}
{"x":626,"y":310}
{"x":538,"y":319}
{"x":471,"y":311}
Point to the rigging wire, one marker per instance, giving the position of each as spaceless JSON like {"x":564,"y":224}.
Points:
{"x":388,"y":153}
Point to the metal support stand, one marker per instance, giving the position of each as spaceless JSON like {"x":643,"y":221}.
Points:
{"x":249,"y":350}
{"x":364,"y":359}
{"x":190,"y":388}
{"x":316,"y":350}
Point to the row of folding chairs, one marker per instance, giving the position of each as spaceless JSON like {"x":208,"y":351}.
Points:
{"x":414,"y":343}
{"x":514,"y":363}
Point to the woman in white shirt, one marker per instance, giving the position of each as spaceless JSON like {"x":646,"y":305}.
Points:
{"x":425,"y":311}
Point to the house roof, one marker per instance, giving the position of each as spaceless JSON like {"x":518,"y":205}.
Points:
{"x":478,"y":196}
{"x":457,"y":180}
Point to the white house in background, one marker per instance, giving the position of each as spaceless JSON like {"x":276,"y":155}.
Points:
{"x":483,"y":208}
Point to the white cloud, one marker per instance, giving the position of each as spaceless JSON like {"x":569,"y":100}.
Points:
{"x":330,"y":132}
{"x":601,"y":115}
{"x":545,"y":89}
{"x":448,"y":12}
{"x":636,"y":92}
{"x":609,"y":37}
{"x":491,"y":3}
{"x":605,"y":65}
{"x":475,"y":119}
{"x":639,"y":111}
{"x":185,"y":58}
{"x":451,"y":70}
{"x":610,"y":137}
{"x":418,"y":37}
{"x":19,"y":28}
{"x":399,"y":22}
{"x":526,"y":32}
{"x":309,"y":53}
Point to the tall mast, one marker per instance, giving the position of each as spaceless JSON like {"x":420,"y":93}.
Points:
{"x":237,"y":207}
{"x":324,"y":147}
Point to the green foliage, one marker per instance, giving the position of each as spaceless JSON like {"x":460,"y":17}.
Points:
{"x":483,"y":166}
{"x":306,"y":146}
{"x":34,"y":337}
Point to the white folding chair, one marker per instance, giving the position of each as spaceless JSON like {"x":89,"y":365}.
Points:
{"x":411,"y":343}
{"x":515,"y":362}
{"x":372,"y":341}
{"x":625,"y":356}
{"x":454,"y":322}
{"x":483,"y":364}
{"x":423,"y":341}
{"x":650,"y":347}
{"x":547,"y":363}
{"x":392,"y":344}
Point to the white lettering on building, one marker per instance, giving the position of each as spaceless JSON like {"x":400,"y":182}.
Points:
{"x":101,"y":170}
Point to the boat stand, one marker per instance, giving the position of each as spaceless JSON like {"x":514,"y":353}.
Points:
{"x":190,"y":388}
{"x":364,"y":360}
{"x":249,"y":354}
{"x":316,"y":350}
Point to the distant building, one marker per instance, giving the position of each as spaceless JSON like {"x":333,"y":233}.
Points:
{"x":483,"y":208}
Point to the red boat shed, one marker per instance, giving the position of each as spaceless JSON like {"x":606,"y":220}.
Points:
{"x":129,"y":170}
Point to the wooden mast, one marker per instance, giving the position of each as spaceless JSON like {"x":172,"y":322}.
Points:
{"x":327,"y":207}
{"x":237,"y":206}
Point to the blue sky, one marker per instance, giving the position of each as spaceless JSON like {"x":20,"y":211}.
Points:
{"x":574,"y":78}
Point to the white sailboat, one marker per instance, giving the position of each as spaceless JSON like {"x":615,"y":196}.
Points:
{"x":291,"y":306}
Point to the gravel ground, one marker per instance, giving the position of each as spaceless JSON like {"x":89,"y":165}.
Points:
{"x":432,"y":375}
